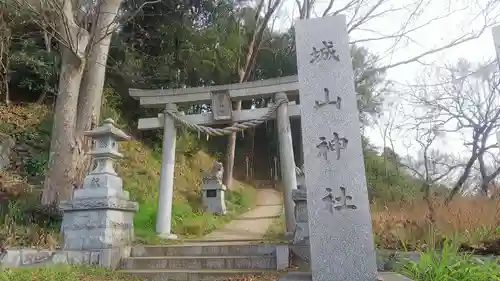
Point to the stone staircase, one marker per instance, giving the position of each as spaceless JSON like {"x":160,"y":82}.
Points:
{"x":205,"y":260}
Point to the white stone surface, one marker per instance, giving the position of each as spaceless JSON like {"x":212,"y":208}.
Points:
{"x":300,"y":243}
{"x":339,"y":225}
{"x":214,"y":204}
{"x":287,"y":161}
{"x":166,"y":190}
{"x":282,"y":257}
{"x":498,"y":138}
{"x":207,"y":118}
{"x":237,"y":91}
{"x":99,"y":218}
{"x":222,"y":107}
{"x":496,"y":40}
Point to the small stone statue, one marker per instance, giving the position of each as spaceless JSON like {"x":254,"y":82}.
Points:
{"x":215,"y":173}
{"x":213,"y":191}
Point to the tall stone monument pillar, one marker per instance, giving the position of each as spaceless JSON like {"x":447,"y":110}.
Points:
{"x":338,"y":210}
{"x":99,"y":218}
{"x":340,"y":230}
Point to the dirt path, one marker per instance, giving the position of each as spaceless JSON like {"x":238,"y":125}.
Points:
{"x":254,"y":223}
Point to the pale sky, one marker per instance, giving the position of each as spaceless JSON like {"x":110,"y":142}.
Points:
{"x":437,"y":33}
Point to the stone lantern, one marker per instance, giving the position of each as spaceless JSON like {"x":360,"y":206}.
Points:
{"x":99,"y":218}
{"x":300,"y":244}
{"x":213,"y":191}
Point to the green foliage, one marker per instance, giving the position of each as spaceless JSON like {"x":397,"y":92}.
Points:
{"x":187,"y":219}
{"x":276,"y":229}
{"x":37,"y":165}
{"x":29,"y":211}
{"x":386,"y":181}
{"x":33,"y":69}
{"x":64,"y":273}
{"x":449,"y":265}
{"x":188,"y":144}
{"x":278,"y":58}
{"x":25,"y":222}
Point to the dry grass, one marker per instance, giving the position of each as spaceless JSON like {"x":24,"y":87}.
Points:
{"x":470,"y":221}
{"x":276,"y":229}
{"x":23,"y":116}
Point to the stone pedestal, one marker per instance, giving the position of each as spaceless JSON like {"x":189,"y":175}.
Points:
{"x":99,"y":218}
{"x":300,"y":246}
{"x":307,"y":276}
{"x":214,"y":198}
{"x":213,"y":191}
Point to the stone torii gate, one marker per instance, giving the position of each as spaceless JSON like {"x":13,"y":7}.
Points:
{"x":221,"y":98}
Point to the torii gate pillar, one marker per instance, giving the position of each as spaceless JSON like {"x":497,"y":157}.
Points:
{"x":287,"y":161}
{"x":166,"y":190}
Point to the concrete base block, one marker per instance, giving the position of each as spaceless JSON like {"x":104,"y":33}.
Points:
{"x":200,"y":263}
{"x":307,"y":276}
{"x":204,"y":249}
{"x":109,"y":258}
{"x":167,"y":236}
{"x":214,"y":198}
{"x":282,"y":256}
{"x":192,"y":275}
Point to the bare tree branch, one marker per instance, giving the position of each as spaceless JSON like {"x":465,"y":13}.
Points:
{"x":362,"y":12}
{"x":467,"y":101}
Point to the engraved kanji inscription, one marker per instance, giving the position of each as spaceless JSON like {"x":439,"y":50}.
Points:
{"x":338,"y":202}
{"x":95,"y":182}
{"x":337,"y":102}
{"x":327,"y":52}
{"x":336,"y":144}
{"x":323,"y":147}
{"x":221,"y":105}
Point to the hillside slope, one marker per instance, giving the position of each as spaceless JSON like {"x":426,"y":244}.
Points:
{"x":27,"y":223}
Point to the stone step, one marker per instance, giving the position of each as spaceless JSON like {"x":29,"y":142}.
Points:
{"x":210,"y":249}
{"x":191,"y":275}
{"x":200,"y":262}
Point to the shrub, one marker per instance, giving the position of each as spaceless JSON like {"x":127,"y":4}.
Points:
{"x":449,"y":265}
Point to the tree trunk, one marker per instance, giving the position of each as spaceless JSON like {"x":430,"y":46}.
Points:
{"x":5,"y":40}
{"x":230,"y":153}
{"x":91,"y":89}
{"x":431,"y":217}
{"x":59,"y":181}
{"x":484,"y":189}
{"x":244,"y":74}
{"x":461,"y":180}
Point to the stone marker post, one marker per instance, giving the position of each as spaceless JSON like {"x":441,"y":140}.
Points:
{"x":300,"y":245}
{"x":337,"y":198}
{"x":213,"y":190}
{"x":99,"y":218}
{"x":496,"y":40}
{"x":498,"y":138}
